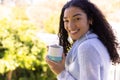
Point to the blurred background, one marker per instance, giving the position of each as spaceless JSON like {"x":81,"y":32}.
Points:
{"x":28,"y":26}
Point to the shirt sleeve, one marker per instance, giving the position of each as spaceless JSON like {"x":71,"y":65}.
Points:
{"x":65,"y":75}
{"x":90,"y":62}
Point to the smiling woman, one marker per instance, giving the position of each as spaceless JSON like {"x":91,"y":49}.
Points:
{"x":94,"y":45}
{"x":75,"y":22}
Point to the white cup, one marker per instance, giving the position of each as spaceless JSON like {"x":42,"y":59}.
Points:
{"x":55,"y":52}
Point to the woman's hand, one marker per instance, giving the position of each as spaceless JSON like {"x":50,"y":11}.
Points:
{"x":56,"y":67}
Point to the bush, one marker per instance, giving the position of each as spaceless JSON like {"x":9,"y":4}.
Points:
{"x":21,"y":52}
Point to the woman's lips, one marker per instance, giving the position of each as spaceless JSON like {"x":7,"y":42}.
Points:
{"x":74,"y":31}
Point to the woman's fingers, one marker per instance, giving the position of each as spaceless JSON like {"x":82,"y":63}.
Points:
{"x":50,"y":62}
{"x":63,"y":58}
{"x":56,"y":67}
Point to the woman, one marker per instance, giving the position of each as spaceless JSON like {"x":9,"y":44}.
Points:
{"x":94,"y":44}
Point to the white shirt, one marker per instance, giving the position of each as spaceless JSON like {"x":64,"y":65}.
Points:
{"x":88,"y":59}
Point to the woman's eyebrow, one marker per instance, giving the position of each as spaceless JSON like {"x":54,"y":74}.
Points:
{"x":78,"y":14}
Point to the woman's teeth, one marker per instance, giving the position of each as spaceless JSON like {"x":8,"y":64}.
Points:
{"x":75,"y":31}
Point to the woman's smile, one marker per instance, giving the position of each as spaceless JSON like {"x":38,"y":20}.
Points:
{"x":73,"y":32}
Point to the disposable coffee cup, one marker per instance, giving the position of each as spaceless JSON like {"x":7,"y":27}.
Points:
{"x":55,"y":52}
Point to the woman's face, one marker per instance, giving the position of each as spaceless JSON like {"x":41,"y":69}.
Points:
{"x":75,"y":22}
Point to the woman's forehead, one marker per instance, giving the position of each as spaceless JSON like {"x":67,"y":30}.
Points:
{"x":73,"y":11}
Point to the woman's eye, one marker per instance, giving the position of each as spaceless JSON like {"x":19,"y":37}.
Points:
{"x":77,"y":18}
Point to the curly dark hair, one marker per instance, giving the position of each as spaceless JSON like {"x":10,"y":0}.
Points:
{"x":100,"y":26}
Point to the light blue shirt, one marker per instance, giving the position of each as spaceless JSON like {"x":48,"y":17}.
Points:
{"x":88,"y":59}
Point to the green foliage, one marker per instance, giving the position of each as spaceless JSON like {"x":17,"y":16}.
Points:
{"x":21,"y":49}
{"x":24,"y":49}
{"x":38,"y":74}
{"x":51,"y":24}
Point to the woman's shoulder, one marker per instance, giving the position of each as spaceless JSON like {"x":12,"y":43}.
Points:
{"x":93,"y":46}
{"x":90,"y":42}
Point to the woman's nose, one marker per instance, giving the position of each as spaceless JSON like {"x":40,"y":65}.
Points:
{"x":71,"y":25}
